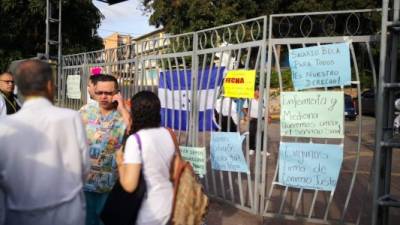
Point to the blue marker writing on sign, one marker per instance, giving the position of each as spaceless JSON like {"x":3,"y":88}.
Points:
{"x":226,"y":152}
{"x":320,"y":66}
{"x":310,"y":166}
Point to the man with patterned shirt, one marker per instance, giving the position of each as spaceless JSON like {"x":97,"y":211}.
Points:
{"x":105,"y":124}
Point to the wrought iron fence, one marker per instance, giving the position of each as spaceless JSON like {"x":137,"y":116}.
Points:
{"x":186,"y":72}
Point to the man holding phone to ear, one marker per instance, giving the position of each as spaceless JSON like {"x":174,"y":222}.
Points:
{"x":105,"y":125}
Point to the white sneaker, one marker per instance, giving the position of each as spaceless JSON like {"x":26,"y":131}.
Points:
{"x":251,"y":152}
{"x":267,"y":153}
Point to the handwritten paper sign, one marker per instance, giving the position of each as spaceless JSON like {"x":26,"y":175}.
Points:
{"x":320,"y":66}
{"x":74,"y":86}
{"x":226,"y":152}
{"x":316,"y":114}
{"x":196,"y":156}
{"x":239,"y":83}
{"x":311,"y":166}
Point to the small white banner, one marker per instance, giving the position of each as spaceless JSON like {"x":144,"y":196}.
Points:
{"x":74,"y":86}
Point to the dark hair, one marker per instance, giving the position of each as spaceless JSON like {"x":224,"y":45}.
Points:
{"x":94,"y":78}
{"x":145,"y":111}
{"x":32,"y":76}
{"x":105,"y":78}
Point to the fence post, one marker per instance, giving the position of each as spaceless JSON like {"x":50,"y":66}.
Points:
{"x":193,"y":128}
{"x":257,"y":174}
{"x":85,"y":75}
{"x":136,"y":60}
{"x":266,"y":97}
{"x":60,"y":76}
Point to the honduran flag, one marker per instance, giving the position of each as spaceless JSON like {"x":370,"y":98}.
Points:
{"x":175,"y":96}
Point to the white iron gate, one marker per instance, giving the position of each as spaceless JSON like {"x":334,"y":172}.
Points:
{"x":186,"y":71}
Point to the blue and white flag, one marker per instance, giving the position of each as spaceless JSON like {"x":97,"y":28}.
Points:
{"x":175,"y":95}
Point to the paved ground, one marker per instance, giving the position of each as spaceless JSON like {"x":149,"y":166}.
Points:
{"x":223,"y":214}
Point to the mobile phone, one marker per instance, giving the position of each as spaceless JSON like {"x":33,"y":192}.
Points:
{"x":115,"y":103}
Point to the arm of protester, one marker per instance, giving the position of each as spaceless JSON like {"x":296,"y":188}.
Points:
{"x":83,"y":147}
{"x":245,"y":110}
{"x":246,"y":113}
{"x":128,"y":173}
{"x":123,"y":110}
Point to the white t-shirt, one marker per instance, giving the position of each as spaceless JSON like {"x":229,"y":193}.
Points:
{"x":155,"y":157}
{"x":225,"y":108}
{"x":253,"y":108}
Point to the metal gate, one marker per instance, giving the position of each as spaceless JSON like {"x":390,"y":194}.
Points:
{"x":344,"y":204}
{"x":186,"y":71}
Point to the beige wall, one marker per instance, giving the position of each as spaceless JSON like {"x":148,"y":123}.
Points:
{"x":115,"y":40}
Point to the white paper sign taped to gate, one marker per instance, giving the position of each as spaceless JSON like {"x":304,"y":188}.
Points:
{"x":320,"y":66}
{"x":310,"y":166}
{"x":227,"y":153}
{"x":74,"y":86}
{"x":316,"y":114}
{"x":197,"y":158}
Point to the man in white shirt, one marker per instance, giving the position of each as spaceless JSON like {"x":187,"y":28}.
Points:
{"x":251,"y":112}
{"x":43,"y":155}
{"x":229,"y":117}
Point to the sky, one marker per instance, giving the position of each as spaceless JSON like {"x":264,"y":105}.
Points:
{"x":124,"y":18}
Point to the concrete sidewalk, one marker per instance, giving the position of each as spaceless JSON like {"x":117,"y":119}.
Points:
{"x":220,"y":213}
{"x":224,"y":214}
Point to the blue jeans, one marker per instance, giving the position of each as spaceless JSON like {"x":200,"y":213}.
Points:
{"x":94,"y":205}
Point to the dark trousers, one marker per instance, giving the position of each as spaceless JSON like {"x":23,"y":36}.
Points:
{"x":253,"y":134}
{"x":224,"y":123}
{"x":94,"y":205}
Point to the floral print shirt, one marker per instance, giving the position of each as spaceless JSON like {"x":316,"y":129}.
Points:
{"x":105,"y":135}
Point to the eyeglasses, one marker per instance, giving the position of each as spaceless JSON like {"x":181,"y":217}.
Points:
{"x":8,"y":81}
{"x":109,"y":93}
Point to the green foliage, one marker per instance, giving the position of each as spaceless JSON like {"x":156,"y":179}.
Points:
{"x":367,"y":80}
{"x":179,"y":16}
{"x":325,"y":5}
{"x":286,"y":80}
{"x":23,"y":29}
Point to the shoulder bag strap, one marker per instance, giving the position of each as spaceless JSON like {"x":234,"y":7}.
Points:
{"x":177,"y":162}
{"x":173,"y":136}
{"x":138,"y":140}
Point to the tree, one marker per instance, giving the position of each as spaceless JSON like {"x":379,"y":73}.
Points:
{"x":178,"y":16}
{"x":23,"y":29}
